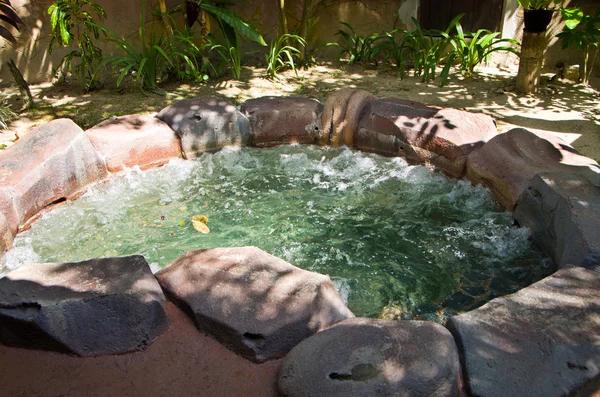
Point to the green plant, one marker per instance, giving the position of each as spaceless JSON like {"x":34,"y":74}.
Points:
{"x":427,"y":50}
{"x":157,"y":58}
{"x":8,"y":15}
{"x":470,"y":49}
{"x":358,"y":48}
{"x":189,"y":62}
{"x":227,"y":18}
{"x":229,"y":52}
{"x":73,"y":24}
{"x":583,"y":32}
{"x":537,"y":4}
{"x":6,"y":113}
{"x":282,"y":53}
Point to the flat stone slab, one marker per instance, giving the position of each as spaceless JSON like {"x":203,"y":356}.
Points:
{"x":91,"y":308}
{"x":134,"y":140}
{"x":257,"y":305}
{"x":50,"y":163}
{"x":283,"y":120}
{"x":541,"y":341}
{"x":423,"y":134}
{"x":206,"y":124}
{"x":562,"y":209}
{"x":507,"y":163}
{"x":367,"y":357}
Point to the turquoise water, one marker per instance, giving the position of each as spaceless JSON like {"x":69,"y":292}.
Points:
{"x":387,"y":233}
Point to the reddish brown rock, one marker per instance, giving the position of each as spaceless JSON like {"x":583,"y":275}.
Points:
{"x":92,"y":308}
{"x":6,"y":235}
{"x":206,"y":124}
{"x":341,"y":114}
{"x":363,"y":357}
{"x":257,"y":305}
{"x":49,"y":164}
{"x":562,"y":210}
{"x":423,"y":134}
{"x":133,"y":140}
{"x":356,"y":107}
{"x":7,"y":208}
{"x":507,"y":163}
{"x":283,"y":120}
{"x":541,"y":341}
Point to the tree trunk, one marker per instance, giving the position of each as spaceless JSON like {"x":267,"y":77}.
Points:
{"x":304,"y":26}
{"x":162,"y":6}
{"x":283,"y":29}
{"x":530,"y":65}
{"x":23,"y":86}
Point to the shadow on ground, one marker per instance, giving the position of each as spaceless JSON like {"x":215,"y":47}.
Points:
{"x":561,"y":106}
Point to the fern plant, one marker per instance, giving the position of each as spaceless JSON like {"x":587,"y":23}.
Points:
{"x":73,"y":25}
{"x":283,"y":55}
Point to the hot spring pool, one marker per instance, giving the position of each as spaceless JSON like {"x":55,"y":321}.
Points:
{"x":387,"y":233}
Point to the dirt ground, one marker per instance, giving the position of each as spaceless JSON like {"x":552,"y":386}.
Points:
{"x":181,"y":362}
{"x":562,"y":107}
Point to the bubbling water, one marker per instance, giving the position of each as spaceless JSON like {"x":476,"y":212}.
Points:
{"x":388,"y":234}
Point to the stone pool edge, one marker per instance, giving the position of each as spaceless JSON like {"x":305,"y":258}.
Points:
{"x":551,"y":189}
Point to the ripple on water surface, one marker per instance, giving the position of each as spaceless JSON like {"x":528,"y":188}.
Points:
{"x":387,"y":233}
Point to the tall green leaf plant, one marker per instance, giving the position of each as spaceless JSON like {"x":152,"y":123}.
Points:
{"x":73,"y":25}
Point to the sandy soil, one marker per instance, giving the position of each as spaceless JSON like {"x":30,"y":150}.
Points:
{"x":182,"y":362}
{"x":562,"y":107}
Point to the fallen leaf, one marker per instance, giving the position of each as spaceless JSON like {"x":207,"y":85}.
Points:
{"x":199,"y":222}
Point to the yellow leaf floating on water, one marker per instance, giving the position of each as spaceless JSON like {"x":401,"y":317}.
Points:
{"x":199,"y":222}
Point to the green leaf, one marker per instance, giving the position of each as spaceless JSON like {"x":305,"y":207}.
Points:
{"x":235,"y":21}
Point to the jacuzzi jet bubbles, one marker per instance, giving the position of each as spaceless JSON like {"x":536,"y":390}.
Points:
{"x":388,"y":234}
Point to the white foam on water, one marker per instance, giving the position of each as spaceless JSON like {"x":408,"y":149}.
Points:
{"x":343,"y":287}
{"x":21,"y":254}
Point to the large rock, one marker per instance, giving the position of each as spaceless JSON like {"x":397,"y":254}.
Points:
{"x":423,"y":134}
{"x":6,"y":236}
{"x":91,"y":308}
{"x":367,"y":357}
{"x":257,"y":305}
{"x":134,"y":140}
{"x":507,"y":163}
{"x":341,"y":115}
{"x":562,"y":209}
{"x":206,"y":124}
{"x":49,"y":164}
{"x":283,"y":120}
{"x":542,"y":341}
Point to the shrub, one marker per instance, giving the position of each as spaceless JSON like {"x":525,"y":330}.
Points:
{"x":72,"y":24}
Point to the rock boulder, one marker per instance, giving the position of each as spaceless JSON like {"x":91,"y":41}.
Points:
{"x":341,"y":115}
{"x":283,"y":120}
{"x":507,"y":163}
{"x":134,"y":140}
{"x":49,"y":164}
{"x":562,"y":209}
{"x":257,"y":305}
{"x":539,"y":342}
{"x":206,"y":124}
{"x":423,"y":134}
{"x":91,"y":308}
{"x":367,"y":357}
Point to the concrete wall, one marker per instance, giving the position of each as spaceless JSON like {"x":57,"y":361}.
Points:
{"x":366,"y":16}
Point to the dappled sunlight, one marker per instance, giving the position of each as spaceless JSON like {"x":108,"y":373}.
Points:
{"x":563,"y":108}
